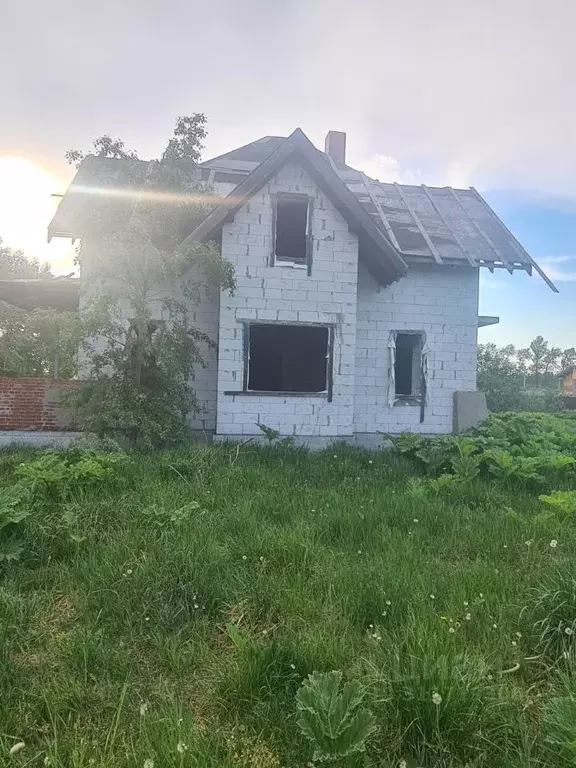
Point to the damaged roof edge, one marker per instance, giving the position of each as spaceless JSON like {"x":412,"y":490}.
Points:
{"x":393,"y":265}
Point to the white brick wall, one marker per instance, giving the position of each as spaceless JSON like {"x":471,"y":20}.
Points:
{"x":442,"y":302}
{"x":286,"y":294}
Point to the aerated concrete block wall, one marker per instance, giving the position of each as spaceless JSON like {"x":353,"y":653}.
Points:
{"x":287,"y":294}
{"x":442,"y":303}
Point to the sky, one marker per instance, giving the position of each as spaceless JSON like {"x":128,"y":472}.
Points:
{"x":451,"y":92}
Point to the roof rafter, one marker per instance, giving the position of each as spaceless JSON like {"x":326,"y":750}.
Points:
{"x":425,"y":235}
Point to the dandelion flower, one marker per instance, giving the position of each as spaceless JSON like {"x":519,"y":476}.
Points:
{"x":18,"y":747}
{"x":553,"y":543}
{"x":436,"y":699}
{"x":568,"y":631}
{"x":468,"y":617}
{"x":143,"y":708}
{"x":149,"y":763}
{"x":181,"y":747}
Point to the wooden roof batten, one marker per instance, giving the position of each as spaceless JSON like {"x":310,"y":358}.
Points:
{"x":425,"y":235}
{"x":471,"y":260}
{"x":381,"y":213}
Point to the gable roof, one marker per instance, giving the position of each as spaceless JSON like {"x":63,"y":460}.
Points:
{"x":380,"y":256}
{"x":397,"y":224}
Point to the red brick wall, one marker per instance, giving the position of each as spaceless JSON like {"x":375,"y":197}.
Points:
{"x":33,"y":404}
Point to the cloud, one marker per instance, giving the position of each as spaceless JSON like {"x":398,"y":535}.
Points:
{"x":388,"y":169}
{"x":550,"y":265}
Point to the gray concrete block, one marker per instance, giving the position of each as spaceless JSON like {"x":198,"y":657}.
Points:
{"x":469,"y":410}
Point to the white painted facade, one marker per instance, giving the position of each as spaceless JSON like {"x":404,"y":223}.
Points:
{"x":441,"y":302}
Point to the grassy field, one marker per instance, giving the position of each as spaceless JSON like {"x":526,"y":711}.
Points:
{"x":164,"y":610}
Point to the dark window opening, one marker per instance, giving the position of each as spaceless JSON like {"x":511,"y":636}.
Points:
{"x":291,"y":228}
{"x":408,"y":366}
{"x":288,"y":358}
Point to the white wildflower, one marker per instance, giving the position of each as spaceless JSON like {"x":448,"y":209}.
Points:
{"x":292,"y":666}
{"x":528,"y":543}
{"x":514,"y":643}
{"x":568,"y":631}
{"x":432,"y":597}
{"x":388,"y":602}
{"x":465,"y":603}
{"x":18,"y":747}
{"x":181,"y":747}
{"x":553,"y":543}
{"x":146,"y":618}
{"x":143,"y":708}
{"x":129,"y":572}
{"x":244,"y":557}
{"x":468,"y":617}
{"x":415,"y":520}
{"x":370,"y":461}
{"x":335,"y":456}
{"x":495,"y":626}
{"x":149,"y":763}
{"x":451,"y":630}
{"x":402,"y":764}
{"x":436,"y":699}
{"x":359,"y":552}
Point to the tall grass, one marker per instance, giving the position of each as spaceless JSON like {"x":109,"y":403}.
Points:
{"x":176,"y":612}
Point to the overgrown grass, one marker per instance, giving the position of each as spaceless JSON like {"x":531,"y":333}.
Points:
{"x":183,"y":598}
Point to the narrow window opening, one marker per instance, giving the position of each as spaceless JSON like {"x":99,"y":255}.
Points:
{"x":288,"y":358}
{"x":408,"y":366}
{"x":291,"y":228}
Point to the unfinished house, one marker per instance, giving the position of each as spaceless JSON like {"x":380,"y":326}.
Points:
{"x":356,"y":307}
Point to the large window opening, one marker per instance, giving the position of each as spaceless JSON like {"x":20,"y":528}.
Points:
{"x":408,"y":365}
{"x":291,"y":236}
{"x":288,"y":358}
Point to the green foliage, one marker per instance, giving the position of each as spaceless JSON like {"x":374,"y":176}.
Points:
{"x":173,"y":518}
{"x":125,"y":633}
{"x":41,"y":342}
{"x":563,"y":502}
{"x":560,"y":723}
{"x":526,"y":449}
{"x":330,"y":715}
{"x":142,"y":348}
{"x":523,"y":379}
{"x":14,"y":264}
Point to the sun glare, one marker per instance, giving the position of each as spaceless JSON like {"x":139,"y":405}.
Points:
{"x":26,"y":207}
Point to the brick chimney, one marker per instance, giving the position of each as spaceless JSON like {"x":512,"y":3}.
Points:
{"x":335,"y":146}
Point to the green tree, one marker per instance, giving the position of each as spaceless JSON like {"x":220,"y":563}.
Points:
{"x":103,"y":146}
{"x":568,"y":358}
{"x":142,"y":347}
{"x":499,"y":377}
{"x":14,"y":264}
